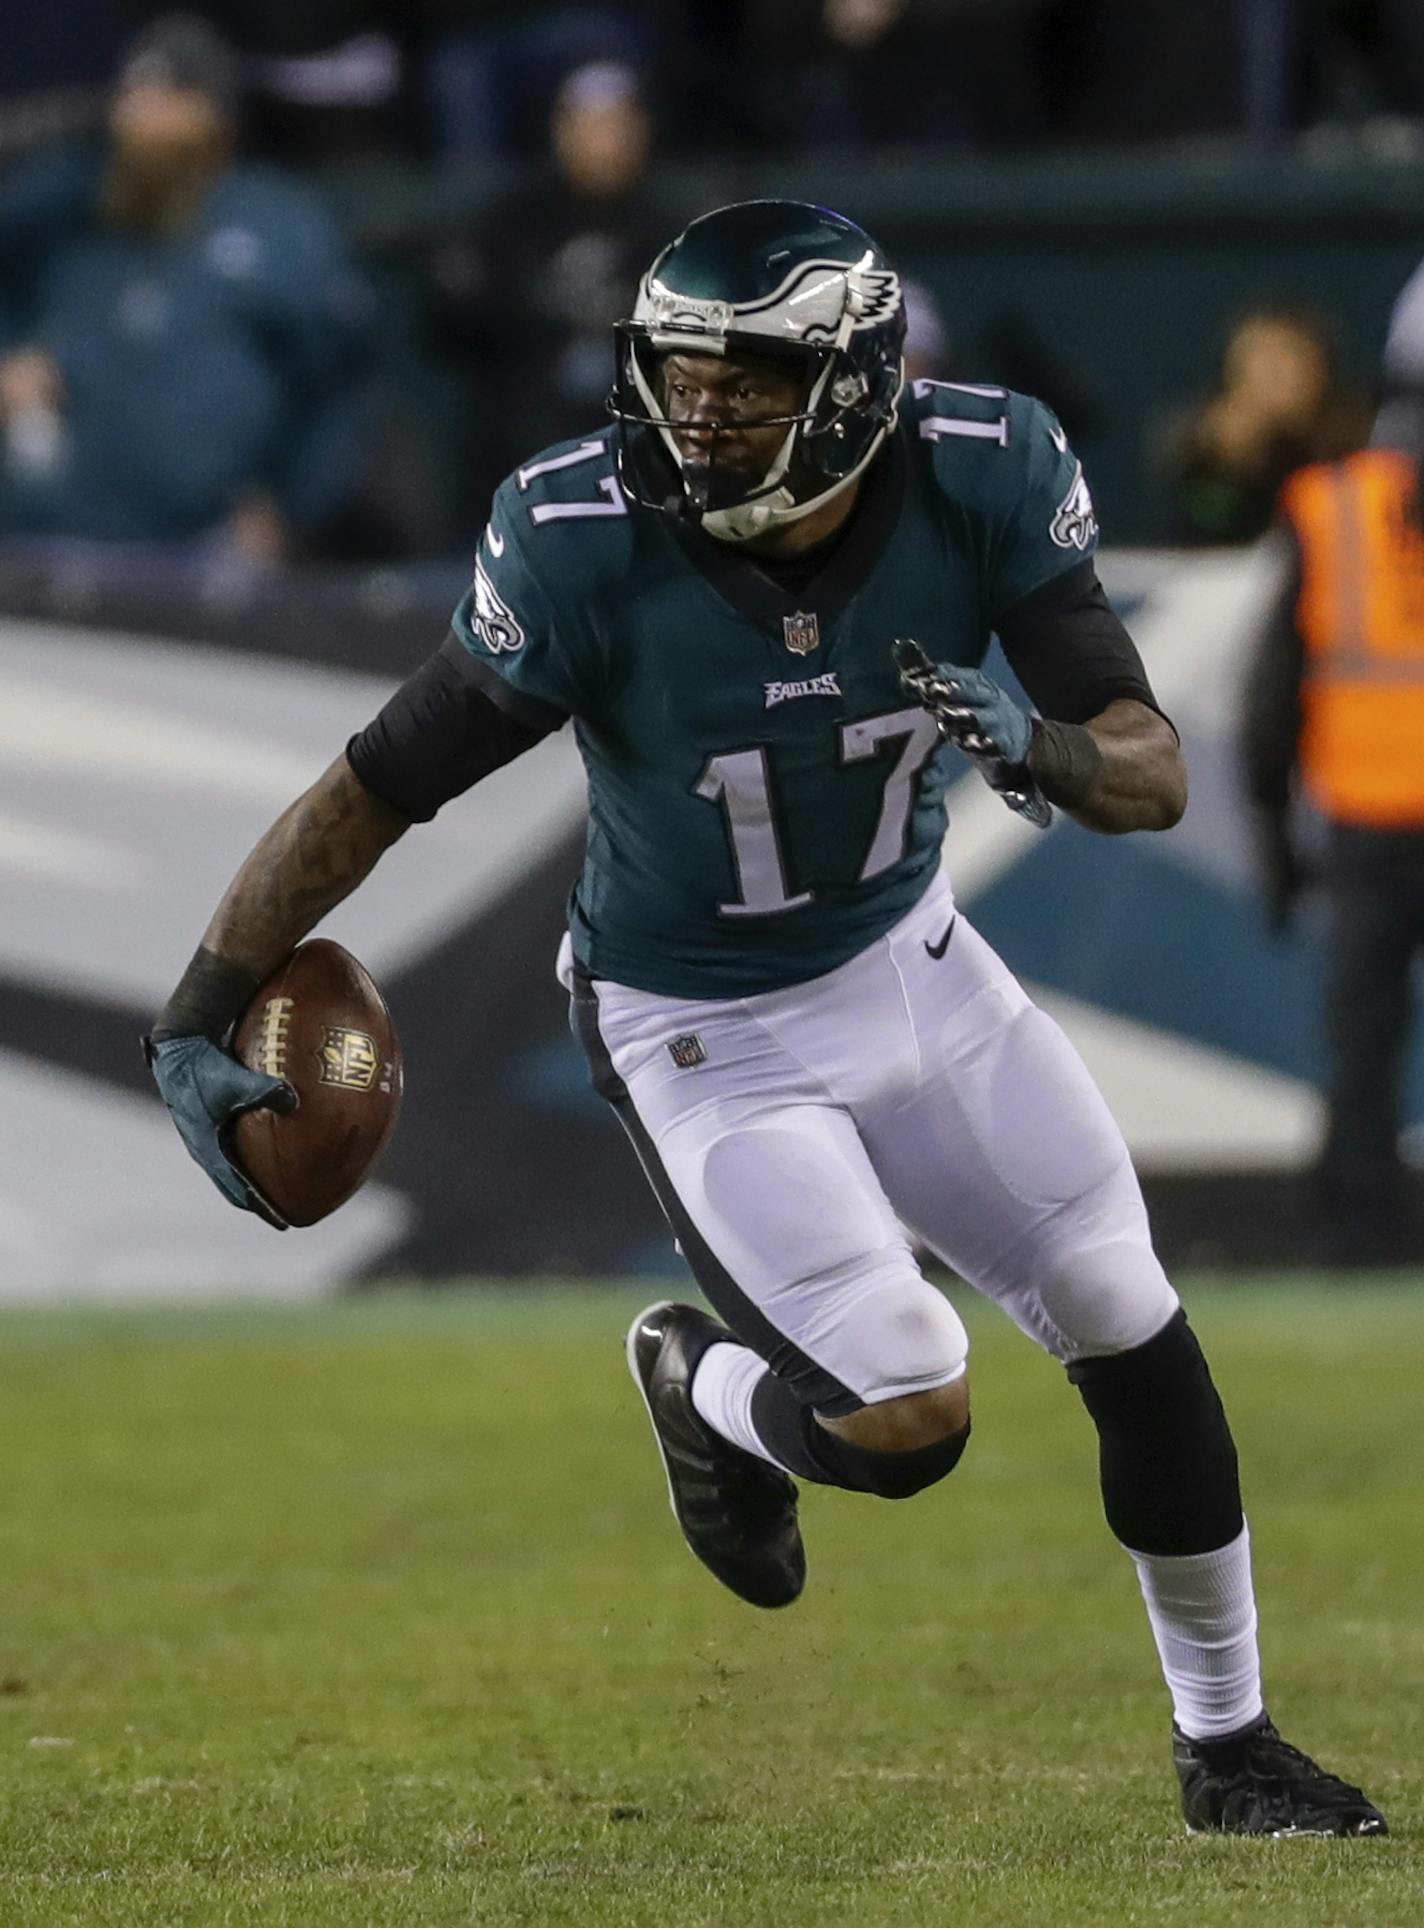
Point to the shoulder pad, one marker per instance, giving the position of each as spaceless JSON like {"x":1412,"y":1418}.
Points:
{"x":963,"y":411}
{"x":972,"y":427}
{"x":984,"y":443}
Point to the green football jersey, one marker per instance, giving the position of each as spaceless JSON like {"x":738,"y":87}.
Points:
{"x":764,"y":798}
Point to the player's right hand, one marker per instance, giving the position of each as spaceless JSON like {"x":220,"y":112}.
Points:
{"x":205,"y":1088}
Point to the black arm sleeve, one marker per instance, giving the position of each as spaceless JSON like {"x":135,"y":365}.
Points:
{"x":442,"y":731}
{"x":1270,"y":735}
{"x":1069,"y":649}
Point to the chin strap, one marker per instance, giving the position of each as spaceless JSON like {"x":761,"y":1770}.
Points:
{"x":775,"y":505}
{"x":751,"y":519}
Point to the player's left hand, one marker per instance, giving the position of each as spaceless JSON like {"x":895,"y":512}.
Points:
{"x":986,"y":720}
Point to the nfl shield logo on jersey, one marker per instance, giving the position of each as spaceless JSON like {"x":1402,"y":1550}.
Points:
{"x":688,"y":1051}
{"x":802,"y":632}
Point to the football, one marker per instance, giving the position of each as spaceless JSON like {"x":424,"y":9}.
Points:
{"x":320,"y":1023}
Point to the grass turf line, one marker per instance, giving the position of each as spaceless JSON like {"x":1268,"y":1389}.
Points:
{"x":374,"y":1614}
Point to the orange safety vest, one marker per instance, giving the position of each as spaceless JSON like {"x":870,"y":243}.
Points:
{"x":1361,"y":618}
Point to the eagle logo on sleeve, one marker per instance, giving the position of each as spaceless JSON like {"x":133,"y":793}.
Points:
{"x":491,"y":617}
{"x":1075,"y":525}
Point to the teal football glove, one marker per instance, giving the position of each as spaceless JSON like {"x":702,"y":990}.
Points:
{"x":982,"y":720}
{"x":988,"y":722}
{"x":205,"y":1089}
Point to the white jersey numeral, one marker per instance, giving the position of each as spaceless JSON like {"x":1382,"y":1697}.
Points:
{"x":924,"y":388}
{"x":585,"y":452}
{"x":934,"y":428}
{"x":740,"y":780}
{"x":614,"y":503}
{"x":611,"y":500}
{"x":920,"y":735}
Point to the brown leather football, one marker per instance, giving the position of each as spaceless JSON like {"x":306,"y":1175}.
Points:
{"x":320,"y":1023}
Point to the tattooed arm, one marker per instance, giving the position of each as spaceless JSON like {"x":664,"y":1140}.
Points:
{"x":312,"y":858}
{"x":314,"y":855}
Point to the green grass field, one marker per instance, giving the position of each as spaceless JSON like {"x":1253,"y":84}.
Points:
{"x":375,"y":1614}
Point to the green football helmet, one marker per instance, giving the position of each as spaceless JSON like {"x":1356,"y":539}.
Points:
{"x":778,"y":280}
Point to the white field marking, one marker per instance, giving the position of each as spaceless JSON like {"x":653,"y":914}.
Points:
{"x":263,"y":730}
{"x":29,"y":848}
{"x":1184,"y":1106}
{"x":61,"y":730}
{"x":99,"y":1204}
{"x":1192,"y":632}
{"x":479,"y":847}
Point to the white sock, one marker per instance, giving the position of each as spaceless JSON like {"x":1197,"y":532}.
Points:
{"x":726,"y":1377}
{"x":1203,"y":1613}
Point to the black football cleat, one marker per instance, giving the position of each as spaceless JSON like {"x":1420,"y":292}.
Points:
{"x":1256,"y":1783}
{"x":737,"y":1512}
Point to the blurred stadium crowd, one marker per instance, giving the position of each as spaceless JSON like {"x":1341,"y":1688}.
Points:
{"x":196,"y":321}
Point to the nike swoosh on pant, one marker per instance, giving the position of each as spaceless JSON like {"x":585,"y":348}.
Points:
{"x":938,"y":950}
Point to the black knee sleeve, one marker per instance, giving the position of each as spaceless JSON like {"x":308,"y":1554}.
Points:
{"x":1167,"y":1458}
{"x":808,"y":1449}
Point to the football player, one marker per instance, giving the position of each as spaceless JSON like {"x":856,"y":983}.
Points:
{"x":809,"y":1046}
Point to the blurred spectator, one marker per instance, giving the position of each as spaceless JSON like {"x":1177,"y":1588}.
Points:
{"x":1014,"y":350}
{"x":526,"y":304}
{"x":1336,"y":699}
{"x":1366,"y":60}
{"x":896,"y":74}
{"x":494,"y":65}
{"x":53,"y":84}
{"x":183,"y":335}
{"x":1279,"y":405}
{"x":323,"y":77}
{"x":1401,"y":418}
{"x":1129,"y":72}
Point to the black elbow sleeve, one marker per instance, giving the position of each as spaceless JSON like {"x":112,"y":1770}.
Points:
{"x":1069,"y":648}
{"x":440,"y":733}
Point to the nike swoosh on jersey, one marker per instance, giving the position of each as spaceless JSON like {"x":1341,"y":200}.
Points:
{"x":496,"y":543}
{"x":1060,"y":439}
{"x":938,"y":950}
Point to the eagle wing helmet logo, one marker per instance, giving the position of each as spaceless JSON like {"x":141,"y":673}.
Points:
{"x":817,"y":299}
{"x":876,"y":294}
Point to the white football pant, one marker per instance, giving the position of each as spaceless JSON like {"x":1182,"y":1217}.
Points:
{"x":792,"y":1135}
